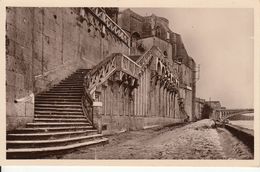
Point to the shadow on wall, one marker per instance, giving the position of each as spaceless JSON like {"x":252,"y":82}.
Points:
{"x":206,"y":111}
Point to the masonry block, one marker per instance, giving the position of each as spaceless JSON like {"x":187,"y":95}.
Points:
{"x":29,"y":109}
{"x":11,"y":31}
{"x":10,"y":78}
{"x":10,"y":47}
{"x":19,"y":51}
{"x":10,"y":15}
{"x":14,"y":122}
{"x":27,"y":55}
{"x":20,"y":109}
{"x":10,"y":63}
{"x":20,"y":66}
{"x":19,"y":81}
{"x":37,"y":67}
{"x":10,"y":93}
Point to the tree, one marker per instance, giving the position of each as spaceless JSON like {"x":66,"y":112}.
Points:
{"x":206,"y":111}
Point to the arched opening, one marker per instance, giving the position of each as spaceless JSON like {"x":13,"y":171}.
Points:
{"x":159,"y":67}
{"x":165,"y":54}
{"x":163,"y":70}
{"x":158,"y":31}
{"x":134,"y":37}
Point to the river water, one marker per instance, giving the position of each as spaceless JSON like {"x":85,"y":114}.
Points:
{"x":249,"y":124}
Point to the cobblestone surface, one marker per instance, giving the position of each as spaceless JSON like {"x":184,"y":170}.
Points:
{"x":193,"y":141}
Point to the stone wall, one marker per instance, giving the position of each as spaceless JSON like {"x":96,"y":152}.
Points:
{"x":199,"y":104}
{"x":127,"y":109}
{"x":43,"y":46}
{"x":130,"y":22}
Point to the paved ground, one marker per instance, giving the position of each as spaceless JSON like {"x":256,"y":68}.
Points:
{"x":192,"y":141}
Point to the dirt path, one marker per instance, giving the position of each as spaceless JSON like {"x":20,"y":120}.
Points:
{"x":233,"y":148}
{"x":193,"y":141}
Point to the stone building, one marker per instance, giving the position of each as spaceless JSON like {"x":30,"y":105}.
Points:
{"x":214,"y":105}
{"x":198,"y":108}
{"x":70,"y":69}
{"x":148,"y":31}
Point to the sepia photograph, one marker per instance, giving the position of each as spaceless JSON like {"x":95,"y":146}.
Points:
{"x":110,"y":83}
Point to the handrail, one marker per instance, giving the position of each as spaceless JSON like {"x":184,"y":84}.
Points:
{"x":155,"y":52}
{"x":102,"y":71}
{"x":102,"y":63}
{"x":110,"y":24}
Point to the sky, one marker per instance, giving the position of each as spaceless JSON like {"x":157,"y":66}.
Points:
{"x":221,"y":41}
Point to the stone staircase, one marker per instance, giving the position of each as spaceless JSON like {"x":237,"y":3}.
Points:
{"x":59,"y":124}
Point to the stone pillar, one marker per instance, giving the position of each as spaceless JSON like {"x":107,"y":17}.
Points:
{"x":97,"y":110}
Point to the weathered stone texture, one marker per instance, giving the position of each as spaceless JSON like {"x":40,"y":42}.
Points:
{"x":43,"y":46}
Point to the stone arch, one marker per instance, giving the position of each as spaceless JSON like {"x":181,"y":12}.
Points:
{"x":159,"y":67}
{"x":134,"y":37}
{"x":163,"y":70}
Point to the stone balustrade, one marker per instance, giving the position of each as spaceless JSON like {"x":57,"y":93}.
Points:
{"x":109,"y":24}
{"x":123,"y":68}
{"x":166,"y":76}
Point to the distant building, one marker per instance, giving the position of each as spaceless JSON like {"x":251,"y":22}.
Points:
{"x":199,"y":107}
{"x":214,"y":104}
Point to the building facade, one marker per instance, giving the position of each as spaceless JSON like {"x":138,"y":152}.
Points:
{"x":139,"y":68}
{"x":199,"y":107}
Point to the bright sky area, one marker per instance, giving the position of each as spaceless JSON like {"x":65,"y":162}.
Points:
{"x":221,"y":41}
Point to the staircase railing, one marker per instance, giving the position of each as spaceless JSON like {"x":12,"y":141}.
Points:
{"x":87,"y":105}
{"x":100,"y":14}
{"x":101,"y":72}
{"x":164,"y":73}
{"x":116,"y":62}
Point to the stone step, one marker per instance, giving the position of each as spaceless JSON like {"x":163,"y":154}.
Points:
{"x":48,"y":135}
{"x":55,"y":109}
{"x":68,"y":86}
{"x":50,"y":120}
{"x":57,"y":124}
{"x":50,"y":129}
{"x":49,"y":143}
{"x":59,"y":96}
{"x":71,"y":82}
{"x":59,"y":116}
{"x":37,"y":152}
{"x":58,"y":112}
{"x":58,"y":106}
{"x":79,"y":78}
{"x":75,"y":77}
{"x":55,"y":102}
{"x":66,"y":91}
{"x":59,"y":99}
